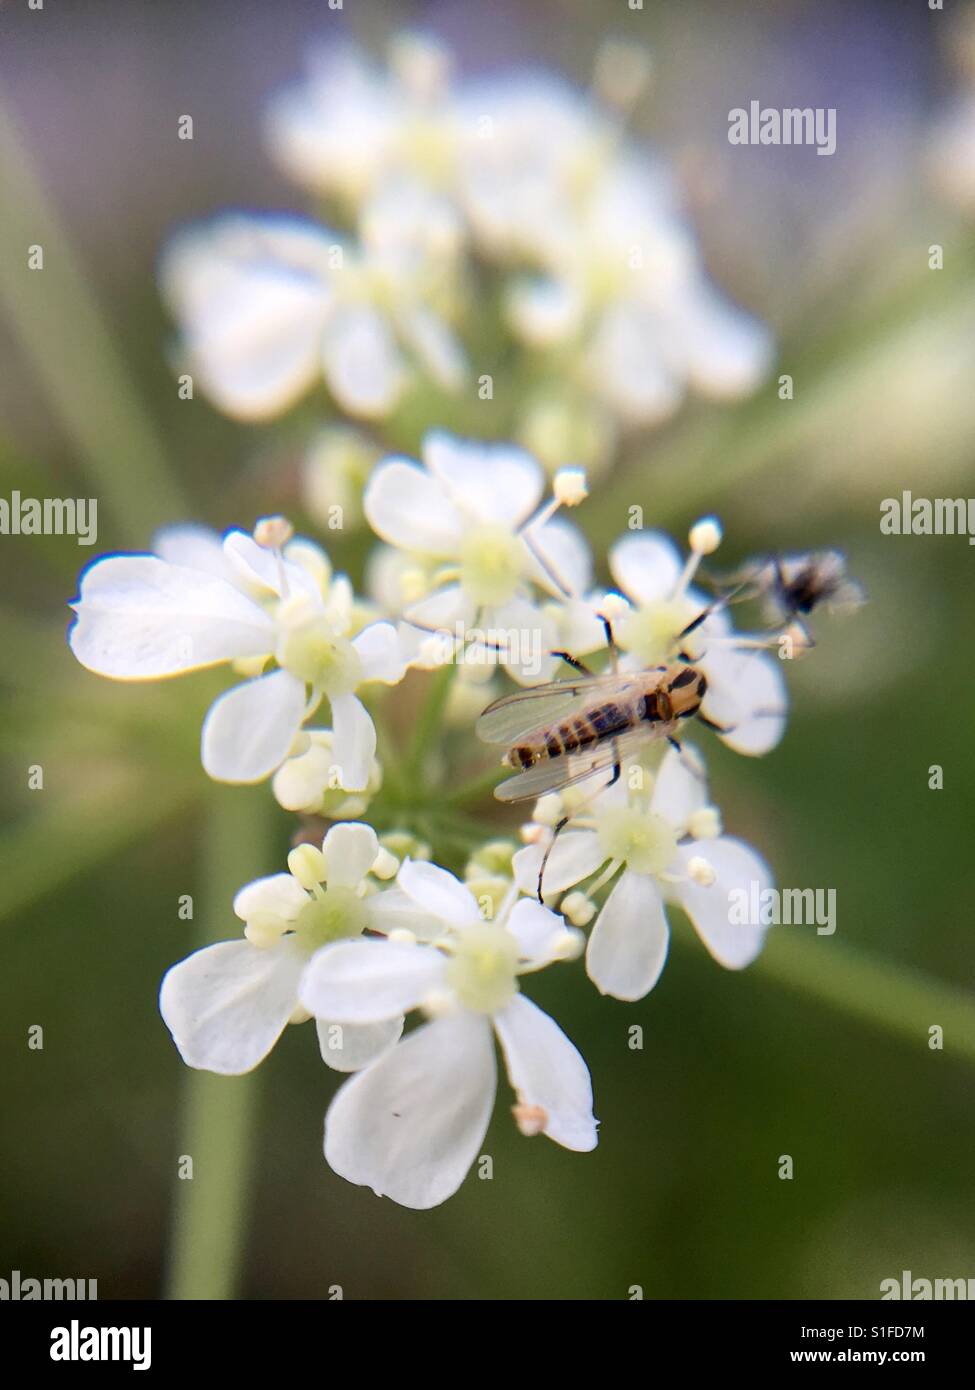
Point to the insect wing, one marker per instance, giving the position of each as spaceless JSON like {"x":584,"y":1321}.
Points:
{"x":538,"y":707}
{"x":565,"y":770}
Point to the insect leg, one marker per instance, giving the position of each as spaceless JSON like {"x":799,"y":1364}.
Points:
{"x":446,"y":632}
{"x":706,"y":612}
{"x":782,"y":586}
{"x":614,"y":651}
{"x":573,"y":662}
{"x":614,"y":778}
{"x":718,"y":728}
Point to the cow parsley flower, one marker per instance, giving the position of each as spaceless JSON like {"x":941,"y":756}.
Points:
{"x":227,"y":1004}
{"x":668,"y":842}
{"x":347,"y":127}
{"x":411,"y":1124}
{"x":614,"y":282}
{"x":746,"y":694}
{"x":472,"y":511}
{"x":268,"y":305}
{"x":200,"y":602}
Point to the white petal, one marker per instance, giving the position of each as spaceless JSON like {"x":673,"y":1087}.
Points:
{"x":627,"y":365}
{"x":279,"y":894}
{"x":565,"y":553}
{"x":407,"y":507}
{"x":248,"y":731}
{"x":339,"y":605}
{"x":438,"y":892}
{"x":646,"y":565}
{"x":227,"y":1005}
{"x":436,"y":346}
{"x":447,"y":611}
{"x":350,"y":851}
{"x":411,"y":1125}
{"x":526,"y":634}
{"x":393,"y":910}
{"x":579,"y":628}
{"x":351,"y":1046}
{"x":746,"y":694}
{"x":256,"y":342}
{"x":369,"y":981}
{"x":727,"y":353}
{"x":543,"y":311}
{"x":380,"y":652}
{"x":354,"y":741}
{"x":140,"y":618}
{"x":575,"y":855}
{"x":539,"y":932}
{"x":489,"y":482}
{"x":680,"y":788}
{"x":546,"y":1070}
{"x":628,"y":944}
{"x":193,"y":547}
{"x":260,"y":572}
{"x":362,"y":363}
{"x":714,"y":912}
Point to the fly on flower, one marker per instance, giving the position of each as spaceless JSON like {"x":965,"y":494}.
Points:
{"x":793,"y":586}
{"x":563,"y":732}
{"x":567,"y":731}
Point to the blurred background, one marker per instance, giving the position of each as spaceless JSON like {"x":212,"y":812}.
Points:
{"x":820,"y":1050}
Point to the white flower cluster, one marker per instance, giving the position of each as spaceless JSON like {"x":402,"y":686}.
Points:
{"x":445,"y":202}
{"x":358,"y":936}
{"x":429,"y":187}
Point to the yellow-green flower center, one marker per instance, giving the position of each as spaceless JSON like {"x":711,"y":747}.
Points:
{"x":645,"y":842}
{"x":482,"y":970}
{"x":313,"y":653}
{"x":492,"y":563}
{"x":651,"y":631}
{"x":337,"y":913}
{"x":428,"y":149}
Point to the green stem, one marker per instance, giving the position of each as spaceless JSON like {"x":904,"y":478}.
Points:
{"x":478,"y":787}
{"x":892,"y":997}
{"x":60,"y":327}
{"x":74,"y":834}
{"x":209,"y":1225}
{"x":429,"y":725}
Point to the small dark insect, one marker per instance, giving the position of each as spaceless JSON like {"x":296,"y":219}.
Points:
{"x":791,"y":587}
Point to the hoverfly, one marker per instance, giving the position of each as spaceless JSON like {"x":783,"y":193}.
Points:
{"x":792,"y":586}
{"x":566,"y":731}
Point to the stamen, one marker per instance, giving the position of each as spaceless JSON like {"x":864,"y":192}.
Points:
{"x":607,"y":873}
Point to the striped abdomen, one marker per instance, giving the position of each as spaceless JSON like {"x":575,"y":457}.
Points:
{"x":573,"y":735}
